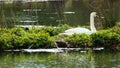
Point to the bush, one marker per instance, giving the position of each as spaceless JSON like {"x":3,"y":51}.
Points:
{"x":63,"y":27}
{"x":35,"y":30}
{"x":41,"y":40}
{"x":55,"y":30}
{"x":18,"y":31}
{"x":105,"y":38}
{"x":45,"y":37}
{"x":79,"y":40}
{"x":6,"y":41}
{"x":4,"y":30}
{"x":20,"y":42}
{"x":116,"y":29}
{"x":17,"y":38}
{"x":52,"y":31}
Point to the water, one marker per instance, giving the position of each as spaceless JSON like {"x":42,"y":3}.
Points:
{"x":45,"y":13}
{"x":60,"y":60}
{"x":72,"y":12}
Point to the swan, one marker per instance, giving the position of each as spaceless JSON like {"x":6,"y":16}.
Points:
{"x":83,"y":30}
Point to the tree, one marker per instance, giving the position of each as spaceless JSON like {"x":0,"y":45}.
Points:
{"x":109,"y":9}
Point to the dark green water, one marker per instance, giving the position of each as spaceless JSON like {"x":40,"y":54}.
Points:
{"x":60,"y":60}
{"x":72,"y":12}
{"x":45,"y":13}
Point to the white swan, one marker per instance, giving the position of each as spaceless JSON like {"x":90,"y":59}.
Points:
{"x":83,"y":30}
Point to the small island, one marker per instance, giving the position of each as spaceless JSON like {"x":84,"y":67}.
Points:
{"x":48,"y":37}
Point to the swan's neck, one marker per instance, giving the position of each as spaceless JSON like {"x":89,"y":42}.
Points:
{"x":92,"y":26}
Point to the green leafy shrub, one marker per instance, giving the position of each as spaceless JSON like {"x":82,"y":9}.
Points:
{"x":6,"y":41}
{"x":20,"y":42}
{"x":55,"y":30}
{"x":105,"y":38}
{"x":45,"y":37}
{"x":4,"y":30}
{"x":52,"y":31}
{"x":36,"y":30}
{"x":17,"y":38}
{"x":116,"y":29}
{"x":63,"y":27}
{"x":41,"y":40}
{"x":79,"y":40}
{"x":41,"y":37}
{"x":18,"y":31}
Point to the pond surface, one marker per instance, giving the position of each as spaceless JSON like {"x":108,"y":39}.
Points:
{"x":44,"y":12}
{"x":60,"y":60}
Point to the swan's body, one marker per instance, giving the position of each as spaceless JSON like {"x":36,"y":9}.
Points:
{"x":83,"y":30}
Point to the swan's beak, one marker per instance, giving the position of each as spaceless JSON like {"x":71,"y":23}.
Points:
{"x":96,"y":16}
{"x":99,"y":17}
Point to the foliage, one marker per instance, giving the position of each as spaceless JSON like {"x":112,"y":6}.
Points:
{"x":6,"y":41}
{"x":64,"y":27}
{"x":35,"y":30}
{"x":52,"y":31}
{"x":17,"y":38}
{"x":55,"y":30}
{"x":116,"y":28}
{"x":45,"y":37}
{"x":4,"y":30}
{"x":41,"y":40}
{"x":18,"y":31}
{"x":105,"y":38}
{"x":79,"y":40}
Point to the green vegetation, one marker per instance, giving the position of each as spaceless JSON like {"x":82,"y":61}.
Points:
{"x":109,"y":38}
{"x":116,"y":28}
{"x":17,"y":38}
{"x":55,"y":30}
{"x":79,"y":40}
{"x":45,"y":37}
{"x":105,"y":38}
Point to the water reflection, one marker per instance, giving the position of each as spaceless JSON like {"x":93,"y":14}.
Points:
{"x":68,"y":12}
{"x":59,"y":60}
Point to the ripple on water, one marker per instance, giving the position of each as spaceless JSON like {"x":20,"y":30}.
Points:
{"x":61,"y":60}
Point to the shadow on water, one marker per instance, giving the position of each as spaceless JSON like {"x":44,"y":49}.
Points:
{"x":60,"y":60}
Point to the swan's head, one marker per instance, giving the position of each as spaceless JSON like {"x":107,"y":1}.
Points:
{"x":94,"y":14}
